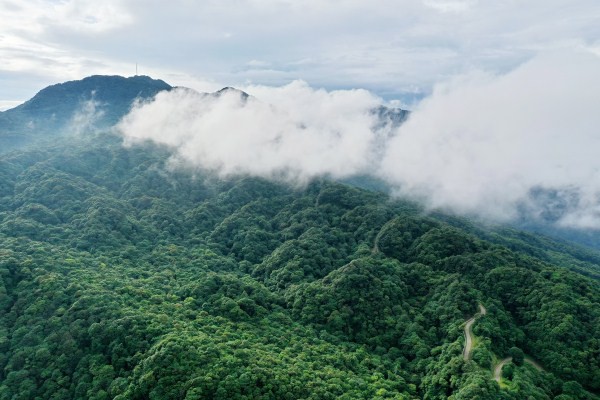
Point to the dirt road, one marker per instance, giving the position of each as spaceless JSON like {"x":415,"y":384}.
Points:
{"x":498,"y":367}
{"x":469,"y":332}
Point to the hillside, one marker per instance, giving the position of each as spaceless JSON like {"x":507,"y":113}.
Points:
{"x":125,"y":279}
{"x":94,"y":102}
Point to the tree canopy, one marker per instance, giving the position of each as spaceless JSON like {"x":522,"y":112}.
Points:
{"x":121,"y":278}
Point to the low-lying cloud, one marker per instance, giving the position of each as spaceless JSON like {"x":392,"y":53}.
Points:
{"x":86,"y":116}
{"x":297,"y":134}
{"x":496,"y":146}
{"x":489,"y":145}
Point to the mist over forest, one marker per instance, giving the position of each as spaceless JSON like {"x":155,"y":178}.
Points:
{"x":261,"y":243}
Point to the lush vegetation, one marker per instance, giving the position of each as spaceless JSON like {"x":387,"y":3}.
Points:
{"x":123,"y":279}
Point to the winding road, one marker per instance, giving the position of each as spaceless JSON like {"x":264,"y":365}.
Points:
{"x":469,"y":333}
{"x":498,"y":367}
{"x":468,"y":350}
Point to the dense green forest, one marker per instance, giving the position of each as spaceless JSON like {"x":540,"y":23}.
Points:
{"x":124,"y":279}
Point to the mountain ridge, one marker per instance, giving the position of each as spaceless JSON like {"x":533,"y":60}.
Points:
{"x":98,"y":100}
{"x":101,"y":101}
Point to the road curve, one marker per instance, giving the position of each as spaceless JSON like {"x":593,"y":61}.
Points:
{"x":498,"y":367}
{"x":537,"y":366}
{"x":469,"y":332}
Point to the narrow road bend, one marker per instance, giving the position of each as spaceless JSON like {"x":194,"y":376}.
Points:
{"x":469,"y":332}
{"x":498,"y":367}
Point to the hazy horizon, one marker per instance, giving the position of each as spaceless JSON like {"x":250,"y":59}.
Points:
{"x":397,"y":50}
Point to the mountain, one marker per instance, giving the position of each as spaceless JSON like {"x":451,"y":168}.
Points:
{"x":95,"y":102}
{"x":122,"y":277}
{"x":98,"y":102}
{"x":243,"y":95}
{"x":393,"y":117}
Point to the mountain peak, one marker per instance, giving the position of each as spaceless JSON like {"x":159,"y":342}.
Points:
{"x":100,"y":87}
{"x":53,"y":109}
{"x":230,"y":90}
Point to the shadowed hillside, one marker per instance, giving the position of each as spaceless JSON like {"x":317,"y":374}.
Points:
{"x":92,"y":103}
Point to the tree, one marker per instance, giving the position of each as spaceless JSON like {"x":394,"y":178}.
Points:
{"x":517,"y":356}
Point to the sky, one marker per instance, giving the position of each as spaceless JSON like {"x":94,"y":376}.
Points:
{"x":397,"y":49}
{"x":504,"y":94}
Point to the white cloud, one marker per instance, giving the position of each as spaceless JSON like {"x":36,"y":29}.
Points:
{"x":481,"y":143}
{"x":298,"y":133}
{"x":258,"y":64}
{"x":7,"y":104}
{"x":493,"y":145}
{"x":452,"y":6}
{"x":85,"y":118}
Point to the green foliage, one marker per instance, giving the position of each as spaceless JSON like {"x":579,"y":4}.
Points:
{"x":517,"y":356}
{"x":122,"y":279}
{"x":508,"y":371}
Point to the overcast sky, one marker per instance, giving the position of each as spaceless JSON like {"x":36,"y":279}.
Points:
{"x":504,"y":93}
{"x":396,"y":49}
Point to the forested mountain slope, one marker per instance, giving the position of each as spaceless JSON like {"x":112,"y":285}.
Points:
{"x":124,"y":279}
{"x":95,"y":102}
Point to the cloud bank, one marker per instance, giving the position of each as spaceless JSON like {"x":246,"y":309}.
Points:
{"x":298,"y":134}
{"x":496,"y":146}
